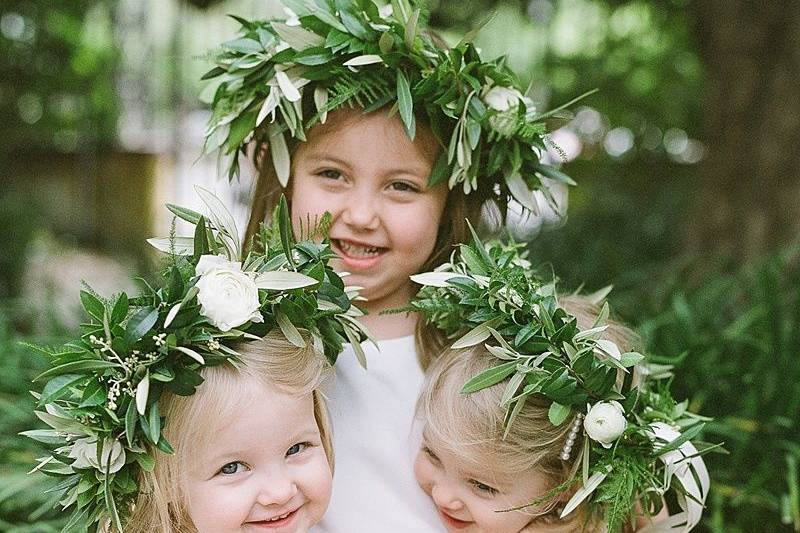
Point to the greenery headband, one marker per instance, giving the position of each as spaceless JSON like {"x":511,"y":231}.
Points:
{"x":334,"y":53}
{"x":101,"y":395}
{"x":636,"y":443}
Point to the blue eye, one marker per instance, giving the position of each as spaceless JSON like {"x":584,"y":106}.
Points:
{"x":231,"y":468}
{"x":297,"y":448}
{"x":483,"y":487}
{"x":330,"y":174}
{"x":432,"y":456}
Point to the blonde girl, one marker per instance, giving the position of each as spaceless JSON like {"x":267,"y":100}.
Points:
{"x":473,"y":470}
{"x":539,"y":418}
{"x":196,"y":406}
{"x":252,"y":447}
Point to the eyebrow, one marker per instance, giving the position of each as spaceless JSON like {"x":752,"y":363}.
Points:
{"x":414,"y":171}
{"x":302,"y":434}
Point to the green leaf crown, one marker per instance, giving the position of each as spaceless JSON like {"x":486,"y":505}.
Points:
{"x":103,"y":388}
{"x":281,"y":77}
{"x":489,"y":294}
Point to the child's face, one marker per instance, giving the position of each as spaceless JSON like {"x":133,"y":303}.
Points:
{"x":263,"y":470}
{"x":468,"y":497}
{"x":372,"y":178}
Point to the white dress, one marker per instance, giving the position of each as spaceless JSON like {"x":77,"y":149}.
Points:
{"x":375,"y":441}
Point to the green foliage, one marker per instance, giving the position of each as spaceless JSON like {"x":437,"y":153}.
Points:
{"x":101,"y":390}
{"x":488,"y":294}
{"x":57,"y":75}
{"x":25,"y":506}
{"x":741,"y":335}
{"x":274,"y":75}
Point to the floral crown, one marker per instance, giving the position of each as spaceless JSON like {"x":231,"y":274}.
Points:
{"x":334,"y":53}
{"x":636,"y":437}
{"x":100,"y":396}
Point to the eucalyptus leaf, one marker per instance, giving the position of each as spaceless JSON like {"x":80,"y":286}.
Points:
{"x":140,"y":323}
{"x":489,"y":377}
{"x":280,"y":154}
{"x":177,"y":245}
{"x":283,"y":280}
{"x":476,"y":335}
{"x":558,"y":413}
{"x":289,"y":330}
{"x":297,"y":37}
{"x":186,"y":214}
{"x":142,"y":392}
{"x":75,"y":366}
{"x":406,"y":104}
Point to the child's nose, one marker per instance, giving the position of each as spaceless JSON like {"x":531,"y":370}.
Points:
{"x":361,"y":211}
{"x":444,"y":496}
{"x":276,"y":490}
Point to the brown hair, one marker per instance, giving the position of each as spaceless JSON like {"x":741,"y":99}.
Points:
{"x":272,"y":362}
{"x":472,"y":426}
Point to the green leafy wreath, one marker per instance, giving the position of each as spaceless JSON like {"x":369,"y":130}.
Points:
{"x":283,"y":76}
{"x":100,"y":396}
{"x":642,"y":447}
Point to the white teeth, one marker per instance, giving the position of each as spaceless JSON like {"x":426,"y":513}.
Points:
{"x":279,"y":517}
{"x":354,"y":250}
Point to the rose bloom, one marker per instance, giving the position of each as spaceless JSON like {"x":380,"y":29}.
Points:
{"x":228,"y":297}
{"x":502,"y":98}
{"x":605,"y":422}
{"x":84,"y":451}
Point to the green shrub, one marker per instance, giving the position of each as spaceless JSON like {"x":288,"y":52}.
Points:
{"x":740,"y":339}
{"x":25,"y":506}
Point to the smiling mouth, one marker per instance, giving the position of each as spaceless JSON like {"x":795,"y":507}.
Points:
{"x":274,"y":522}
{"x":454,"y":522}
{"x":357,"y":251}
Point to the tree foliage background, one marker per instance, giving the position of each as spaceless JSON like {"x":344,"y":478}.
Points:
{"x":687,"y":199}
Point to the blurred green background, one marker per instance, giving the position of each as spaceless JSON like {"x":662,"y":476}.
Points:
{"x":688,"y":198}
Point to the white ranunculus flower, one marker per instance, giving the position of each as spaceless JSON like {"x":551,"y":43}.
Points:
{"x":605,"y":422}
{"x":502,"y":98}
{"x":84,"y":451}
{"x":228,"y":297}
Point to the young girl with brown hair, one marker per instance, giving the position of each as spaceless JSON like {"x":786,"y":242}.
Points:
{"x":354,"y":110}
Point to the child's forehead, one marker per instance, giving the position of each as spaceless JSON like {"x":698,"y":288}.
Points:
{"x":374,"y":130}
{"x":257,"y":415}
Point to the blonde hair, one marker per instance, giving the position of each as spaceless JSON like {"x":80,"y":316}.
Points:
{"x":471,"y":426}
{"x":272,"y":362}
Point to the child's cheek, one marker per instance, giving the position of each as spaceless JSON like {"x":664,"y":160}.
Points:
{"x":319,"y":486}
{"x":423,"y":472}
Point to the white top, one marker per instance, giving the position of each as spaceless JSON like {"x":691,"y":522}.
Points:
{"x":375,"y":442}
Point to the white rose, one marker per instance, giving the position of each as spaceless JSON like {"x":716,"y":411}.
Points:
{"x":228,"y":297}
{"x":502,"y":98}
{"x":84,"y":451}
{"x":605,"y":422}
